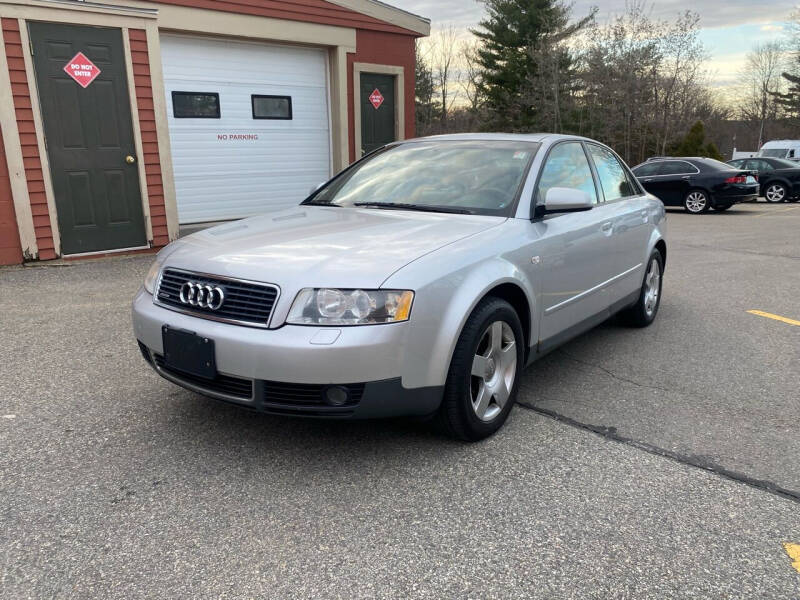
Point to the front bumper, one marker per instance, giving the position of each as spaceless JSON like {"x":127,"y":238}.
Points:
{"x":287,"y":370}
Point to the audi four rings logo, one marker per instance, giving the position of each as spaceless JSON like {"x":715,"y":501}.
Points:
{"x":202,"y":296}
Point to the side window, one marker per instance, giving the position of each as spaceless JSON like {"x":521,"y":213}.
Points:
{"x":676,"y":167}
{"x":568,"y":167}
{"x":613,"y":179}
{"x":646,"y":170}
{"x":272,"y":107}
{"x":763,"y":165}
{"x":195,"y":105}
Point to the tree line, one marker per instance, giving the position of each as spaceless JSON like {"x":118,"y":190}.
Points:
{"x":639,"y":84}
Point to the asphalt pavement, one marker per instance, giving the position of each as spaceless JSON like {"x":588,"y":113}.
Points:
{"x":116,"y":484}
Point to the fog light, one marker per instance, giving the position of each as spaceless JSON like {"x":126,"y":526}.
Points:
{"x":337,"y":395}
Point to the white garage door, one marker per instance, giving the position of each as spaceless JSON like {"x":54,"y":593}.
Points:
{"x":248,"y":125}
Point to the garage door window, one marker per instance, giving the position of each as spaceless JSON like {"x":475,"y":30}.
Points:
{"x":195,"y":105}
{"x":272,"y":107}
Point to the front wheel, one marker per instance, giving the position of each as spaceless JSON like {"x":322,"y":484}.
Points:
{"x":775,"y":192}
{"x":644,"y":312}
{"x":484,"y":372}
{"x":696,"y":202}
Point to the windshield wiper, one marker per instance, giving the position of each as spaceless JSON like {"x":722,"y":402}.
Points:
{"x":419,"y":207}
{"x":312,"y":203}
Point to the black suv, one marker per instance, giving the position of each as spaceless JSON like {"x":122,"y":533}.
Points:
{"x":779,"y":178}
{"x":697,"y":184}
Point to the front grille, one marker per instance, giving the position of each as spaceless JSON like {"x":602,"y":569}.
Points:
{"x":298,"y":395}
{"x":222,"y":384}
{"x":246,"y":303}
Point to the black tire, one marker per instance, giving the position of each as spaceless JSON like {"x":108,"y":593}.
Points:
{"x":457,"y":417}
{"x":722,"y":207}
{"x":691,"y":204}
{"x":776,"y":191}
{"x":638,"y":315}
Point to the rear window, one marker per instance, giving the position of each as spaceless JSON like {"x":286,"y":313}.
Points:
{"x":714,"y":165}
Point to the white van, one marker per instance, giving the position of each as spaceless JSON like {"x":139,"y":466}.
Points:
{"x":781,"y":149}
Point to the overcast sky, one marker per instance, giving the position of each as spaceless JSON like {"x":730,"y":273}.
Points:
{"x":730,"y":27}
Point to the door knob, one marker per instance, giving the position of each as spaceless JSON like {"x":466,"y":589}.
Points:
{"x":129,"y":159}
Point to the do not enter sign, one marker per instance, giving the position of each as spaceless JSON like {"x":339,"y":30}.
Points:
{"x":82,"y":70}
{"x":376,"y":98}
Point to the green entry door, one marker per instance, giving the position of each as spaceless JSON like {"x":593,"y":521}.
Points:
{"x":90,"y":144}
{"x":377,"y":111}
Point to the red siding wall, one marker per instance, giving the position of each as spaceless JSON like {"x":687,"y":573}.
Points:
{"x":382,"y":49}
{"x":27,"y":135}
{"x":147,"y":124}
{"x":10,"y":250}
{"x":309,"y":11}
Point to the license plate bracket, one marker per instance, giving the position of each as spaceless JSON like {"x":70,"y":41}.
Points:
{"x":187,"y":352}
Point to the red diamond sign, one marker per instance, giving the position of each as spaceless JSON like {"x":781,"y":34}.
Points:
{"x":82,"y":70}
{"x":376,"y":98}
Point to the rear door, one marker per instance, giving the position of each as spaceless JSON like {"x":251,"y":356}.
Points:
{"x":89,"y":133}
{"x":626,"y":207}
{"x":673,"y":181}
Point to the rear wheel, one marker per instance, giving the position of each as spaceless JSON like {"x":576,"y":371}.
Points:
{"x":775,"y":192}
{"x":696,"y":202}
{"x":645,"y":310}
{"x":484,"y":373}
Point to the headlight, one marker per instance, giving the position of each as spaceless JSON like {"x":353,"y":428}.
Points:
{"x":152,"y":277}
{"x":350,"y":307}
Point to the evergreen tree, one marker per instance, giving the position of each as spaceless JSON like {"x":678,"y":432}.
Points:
{"x":694,"y":144}
{"x":517,"y":37}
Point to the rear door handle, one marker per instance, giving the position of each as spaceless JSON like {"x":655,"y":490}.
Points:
{"x":644,"y":215}
{"x":606,"y":227}
{"x":686,"y":177}
{"x":648,"y":181}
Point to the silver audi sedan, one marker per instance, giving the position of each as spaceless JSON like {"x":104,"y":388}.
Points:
{"x":419,"y":281}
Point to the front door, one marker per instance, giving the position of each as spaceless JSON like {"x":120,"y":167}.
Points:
{"x":89,"y":136}
{"x":377,"y":111}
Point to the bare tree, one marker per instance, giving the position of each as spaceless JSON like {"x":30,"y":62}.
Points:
{"x":444,"y":49}
{"x":762,"y":82}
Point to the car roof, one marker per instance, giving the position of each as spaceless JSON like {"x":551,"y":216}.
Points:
{"x":507,"y":137}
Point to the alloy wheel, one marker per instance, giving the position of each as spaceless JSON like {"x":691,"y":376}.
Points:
{"x":652,"y":287}
{"x":696,"y":202}
{"x":494,"y":369}
{"x":775,"y":193}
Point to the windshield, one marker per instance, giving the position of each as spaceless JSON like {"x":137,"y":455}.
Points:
{"x":774,"y":153}
{"x":477,"y":177}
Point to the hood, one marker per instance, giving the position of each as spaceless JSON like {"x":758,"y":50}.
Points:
{"x":314,"y":246}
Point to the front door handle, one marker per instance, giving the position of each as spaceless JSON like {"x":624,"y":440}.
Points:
{"x":686,"y":177}
{"x":644,"y":215}
{"x":648,"y":181}
{"x":606,"y":227}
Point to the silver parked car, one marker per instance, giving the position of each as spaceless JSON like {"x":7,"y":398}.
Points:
{"x":419,"y":281}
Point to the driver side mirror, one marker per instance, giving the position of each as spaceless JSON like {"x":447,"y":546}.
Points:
{"x":316,"y":187}
{"x":564,"y":200}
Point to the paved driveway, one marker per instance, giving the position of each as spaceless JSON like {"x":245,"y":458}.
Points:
{"x":115,"y":484}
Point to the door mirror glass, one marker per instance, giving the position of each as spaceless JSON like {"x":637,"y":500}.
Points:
{"x":561,"y":200}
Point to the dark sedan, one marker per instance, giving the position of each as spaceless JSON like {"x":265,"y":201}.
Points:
{"x":697,"y":184}
{"x":779,"y":178}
